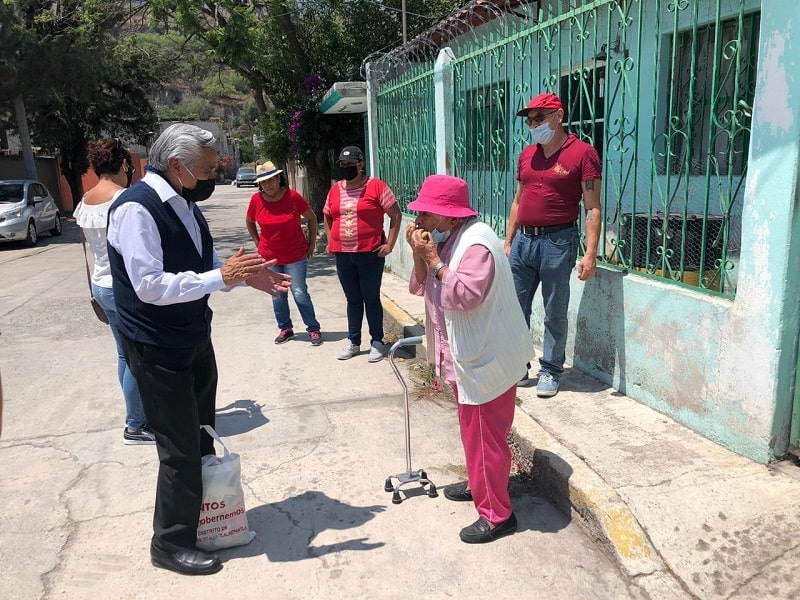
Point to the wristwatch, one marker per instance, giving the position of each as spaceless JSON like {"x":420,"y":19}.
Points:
{"x":437,"y":268}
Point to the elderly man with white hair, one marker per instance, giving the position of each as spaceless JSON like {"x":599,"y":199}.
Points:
{"x":164,"y":267}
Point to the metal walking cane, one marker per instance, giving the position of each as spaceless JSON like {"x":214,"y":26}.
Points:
{"x":409,"y":476}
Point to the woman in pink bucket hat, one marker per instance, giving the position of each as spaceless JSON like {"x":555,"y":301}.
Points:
{"x":476,"y":339}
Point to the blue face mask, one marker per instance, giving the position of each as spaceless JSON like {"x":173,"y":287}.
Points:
{"x":439,"y":237}
{"x":542,"y":134}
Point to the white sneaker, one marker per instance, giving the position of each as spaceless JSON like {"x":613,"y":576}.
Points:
{"x":376,"y":352}
{"x":349,"y":351}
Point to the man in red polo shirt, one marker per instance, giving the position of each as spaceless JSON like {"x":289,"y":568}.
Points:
{"x":553,"y":174}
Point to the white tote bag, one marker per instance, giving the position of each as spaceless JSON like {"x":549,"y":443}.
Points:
{"x":223,"y":519}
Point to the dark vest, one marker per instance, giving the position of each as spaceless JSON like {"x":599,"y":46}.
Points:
{"x":179,"y":325}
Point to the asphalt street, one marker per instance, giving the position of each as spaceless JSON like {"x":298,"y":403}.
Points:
{"x":317,"y":438}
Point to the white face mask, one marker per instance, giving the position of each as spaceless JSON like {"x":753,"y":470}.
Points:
{"x":542,"y":134}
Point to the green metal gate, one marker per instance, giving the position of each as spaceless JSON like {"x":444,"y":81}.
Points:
{"x":663,"y":91}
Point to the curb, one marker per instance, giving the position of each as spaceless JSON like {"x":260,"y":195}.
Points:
{"x":565,"y":480}
{"x":570,"y":484}
{"x":398,"y":322}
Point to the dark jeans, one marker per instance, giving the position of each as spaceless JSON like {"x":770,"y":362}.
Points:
{"x":360,"y":274}
{"x":178,"y":388}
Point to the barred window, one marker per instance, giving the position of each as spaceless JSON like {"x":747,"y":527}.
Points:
{"x":711,"y":90}
{"x":487,"y":132}
{"x":582,"y":93}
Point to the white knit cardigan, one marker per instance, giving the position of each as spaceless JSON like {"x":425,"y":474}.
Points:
{"x":491,"y":343}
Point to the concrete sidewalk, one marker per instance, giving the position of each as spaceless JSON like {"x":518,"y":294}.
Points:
{"x":682,"y":516}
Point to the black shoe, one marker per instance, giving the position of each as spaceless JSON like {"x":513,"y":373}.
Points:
{"x":458,"y":492}
{"x":185,"y":561}
{"x":138,"y":437}
{"x":480,"y":533}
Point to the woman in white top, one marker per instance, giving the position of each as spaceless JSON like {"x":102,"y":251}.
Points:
{"x":112,"y":163}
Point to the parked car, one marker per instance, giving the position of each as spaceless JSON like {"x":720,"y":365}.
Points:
{"x":245,"y":176}
{"x":26,"y":210}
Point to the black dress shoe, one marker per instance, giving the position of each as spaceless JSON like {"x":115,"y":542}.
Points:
{"x":458,"y":492}
{"x":480,"y":532}
{"x":186,"y":561}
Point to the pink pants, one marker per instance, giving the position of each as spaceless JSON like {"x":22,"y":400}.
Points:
{"x":484,"y":434}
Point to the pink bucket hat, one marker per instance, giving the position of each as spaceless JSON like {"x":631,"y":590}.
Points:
{"x":445,"y":196}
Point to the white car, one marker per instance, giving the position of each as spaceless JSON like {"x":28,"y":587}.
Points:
{"x":26,"y":210}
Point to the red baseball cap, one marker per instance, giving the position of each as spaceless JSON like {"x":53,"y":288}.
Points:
{"x":550,"y":101}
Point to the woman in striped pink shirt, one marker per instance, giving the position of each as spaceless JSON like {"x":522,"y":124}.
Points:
{"x":354,"y":215}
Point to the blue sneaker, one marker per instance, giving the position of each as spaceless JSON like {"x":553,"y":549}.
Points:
{"x":547,"y":386}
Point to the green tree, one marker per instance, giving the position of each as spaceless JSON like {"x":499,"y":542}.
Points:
{"x":94,"y":84}
{"x":224,"y":84}
{"x":290,"y":52}
{"x":247,"y":152}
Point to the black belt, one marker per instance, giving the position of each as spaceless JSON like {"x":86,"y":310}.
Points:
{"x":536,"y":230}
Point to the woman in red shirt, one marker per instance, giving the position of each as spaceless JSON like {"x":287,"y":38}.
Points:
{"x":354,"y":212}
{"x":277,"y":211}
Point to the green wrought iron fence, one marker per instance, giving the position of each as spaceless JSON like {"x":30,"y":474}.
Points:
{"x":406,"y":144}
{"x":662,"y":90}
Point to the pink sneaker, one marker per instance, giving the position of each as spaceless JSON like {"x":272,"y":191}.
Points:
{"x":316,"y":337}
{"x":284,"y":336}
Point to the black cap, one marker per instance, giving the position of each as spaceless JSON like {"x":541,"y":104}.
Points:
{"x":351,"y":154}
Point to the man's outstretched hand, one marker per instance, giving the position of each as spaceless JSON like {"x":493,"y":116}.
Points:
{"x":271,"y":282}
{"x":241,"y":266}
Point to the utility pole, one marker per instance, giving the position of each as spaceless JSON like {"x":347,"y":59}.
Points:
{"x":405,"y":30}
{"x":25,"y":138}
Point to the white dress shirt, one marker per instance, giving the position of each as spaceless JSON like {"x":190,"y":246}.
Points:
{"x":133,"y":233}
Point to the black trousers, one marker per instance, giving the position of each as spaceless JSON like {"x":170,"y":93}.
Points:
{"x":360,"y":274}
{"x":178,"y":388}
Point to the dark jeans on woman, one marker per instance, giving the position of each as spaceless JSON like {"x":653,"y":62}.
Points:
{"x":360,"y":274}
{"x":178,"y":388}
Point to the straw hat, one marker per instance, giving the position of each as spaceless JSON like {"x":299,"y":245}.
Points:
{"x":267,"y":170}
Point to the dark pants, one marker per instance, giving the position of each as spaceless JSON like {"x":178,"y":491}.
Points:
{"x":360,"y":274}
{"x":178,"y":388}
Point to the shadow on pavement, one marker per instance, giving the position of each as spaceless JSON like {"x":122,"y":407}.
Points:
{"x":285,"y":530}
{"x":536,"y":513}
{"x":575,"y":381}
{"x":238,"y":417}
